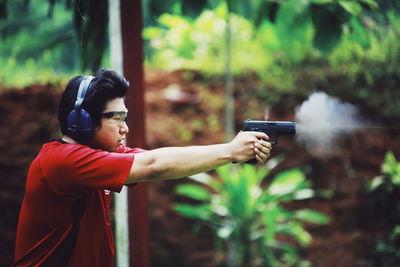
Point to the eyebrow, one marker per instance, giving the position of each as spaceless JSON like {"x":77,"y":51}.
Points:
{"x":112,"y":113}
{"x":123,"y":110}
{"x":117,"y":111}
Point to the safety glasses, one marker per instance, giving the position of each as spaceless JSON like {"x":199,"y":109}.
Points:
{"x":116,"y":115}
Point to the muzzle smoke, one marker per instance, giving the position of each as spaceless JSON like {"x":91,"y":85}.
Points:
{"x":323,"y":121}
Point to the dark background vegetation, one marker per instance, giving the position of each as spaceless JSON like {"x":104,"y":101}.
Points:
{"x":71,"y":37}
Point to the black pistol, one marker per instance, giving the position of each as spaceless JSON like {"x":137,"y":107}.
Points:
{"x":272,"y":128}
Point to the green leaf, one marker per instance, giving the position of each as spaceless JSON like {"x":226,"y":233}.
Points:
{"x":370,"y":3}
{"x":224,"y":172}
{"x":289,"y":249}
{"x":391,"y":168}
{"x":201,"y":212}
{"x":321,"y":2}
{"x":225,"y":231}
{"x":193,"y":191}
{"x":286,"y":182}
{"x":395,"y":233}
{"x":324,"y":193}
{"x":219,"y":209}
{"x":174,"y":21}
{"x":359,"y":34}
{"x":270,"y":220}
{"x":203,"y":178}
{"x":376,"y":182}
{"x":390,"y":163}
{"x":351,"y":7}
{"x":311,"y":216}
{"x":303,"y":194}
{"x":151,"y":32}
{"x":301,"y":235}
{"x":253,"y":174}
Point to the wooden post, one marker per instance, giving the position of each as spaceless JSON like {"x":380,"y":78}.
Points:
{"x":132,"y":48}
{"x":120,"y":199}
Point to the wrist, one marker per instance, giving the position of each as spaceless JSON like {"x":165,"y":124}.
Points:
{"x":230,"y":155}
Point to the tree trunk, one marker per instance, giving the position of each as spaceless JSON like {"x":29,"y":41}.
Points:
{"x":229,"y":107}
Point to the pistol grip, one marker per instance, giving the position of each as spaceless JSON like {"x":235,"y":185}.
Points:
{"x":254,"y":161}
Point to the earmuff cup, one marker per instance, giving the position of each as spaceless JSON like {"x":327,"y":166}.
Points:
{"x":80,"y":125}
{"x":79,"y":122}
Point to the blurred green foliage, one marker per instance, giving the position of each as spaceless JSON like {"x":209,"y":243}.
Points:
{"x":199,"y":44}
{"x":43,"y":41}
{"x":378,"y":44}
{"x":297,"y":34}
{"x":36,"y":47}
{"x":248,"y":218}
{"x":385,"y":192}
{"x":271,"y":38}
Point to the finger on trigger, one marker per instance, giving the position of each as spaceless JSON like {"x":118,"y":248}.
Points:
{"x":261,"y":135}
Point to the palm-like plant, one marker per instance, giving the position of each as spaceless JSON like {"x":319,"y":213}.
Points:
{"x":384,"y":194}
{"x":248,"y":217}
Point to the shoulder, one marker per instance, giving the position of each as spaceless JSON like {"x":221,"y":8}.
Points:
{"x":74,"y":167}
{"x":62,"y":156}
{"x":57,"y":150}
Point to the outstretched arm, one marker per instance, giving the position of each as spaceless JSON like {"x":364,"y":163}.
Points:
{"x":177,"y":162}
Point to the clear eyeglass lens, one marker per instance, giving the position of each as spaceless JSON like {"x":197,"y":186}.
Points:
{"x":117,"y":116}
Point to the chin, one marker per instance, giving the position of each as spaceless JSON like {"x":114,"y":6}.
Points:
{"x":109,"y":148}
{"x":116,"y":147}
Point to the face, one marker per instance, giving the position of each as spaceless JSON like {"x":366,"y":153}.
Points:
{"x":112,"y":132}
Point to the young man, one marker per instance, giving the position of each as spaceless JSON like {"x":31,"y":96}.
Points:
{"x":64,"y":218}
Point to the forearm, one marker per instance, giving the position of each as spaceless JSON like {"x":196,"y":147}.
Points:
{"x":177,"y":162}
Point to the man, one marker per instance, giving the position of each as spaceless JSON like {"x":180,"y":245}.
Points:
{"x":64,"y":218}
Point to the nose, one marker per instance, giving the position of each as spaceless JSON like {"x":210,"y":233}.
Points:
{"x":124,"y":129}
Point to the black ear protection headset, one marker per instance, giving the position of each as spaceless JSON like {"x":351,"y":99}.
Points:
{"x":79,"y":122}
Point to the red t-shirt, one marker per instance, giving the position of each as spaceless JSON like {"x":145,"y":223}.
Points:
{"x":64,"y":218}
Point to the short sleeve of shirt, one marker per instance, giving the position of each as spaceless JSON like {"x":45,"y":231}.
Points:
{"x":124,"y":149}
{"x":70,"y":168}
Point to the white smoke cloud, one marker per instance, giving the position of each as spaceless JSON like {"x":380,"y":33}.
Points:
{"x":322,"y":121}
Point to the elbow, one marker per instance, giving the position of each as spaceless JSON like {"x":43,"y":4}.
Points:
{"x":148,"y":167}
{"x":150,"y":171}
{"x":154,"y":171}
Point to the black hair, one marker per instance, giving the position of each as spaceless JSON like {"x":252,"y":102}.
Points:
{"x":105,"y":86}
